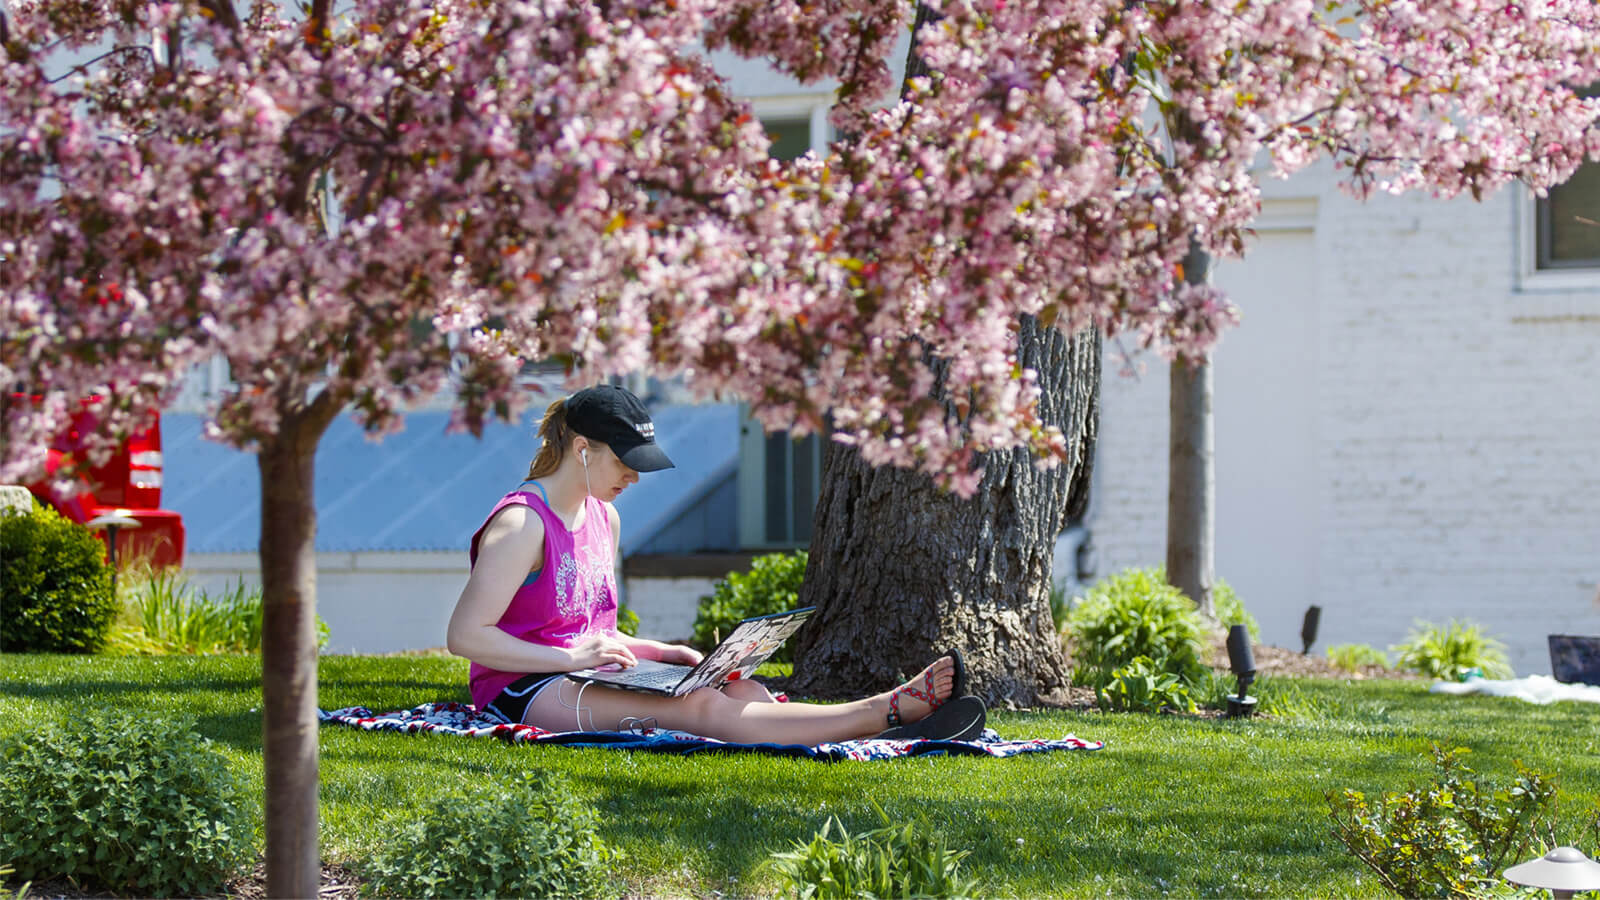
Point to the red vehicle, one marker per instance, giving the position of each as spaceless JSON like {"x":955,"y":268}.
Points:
{"x":120,"y":500}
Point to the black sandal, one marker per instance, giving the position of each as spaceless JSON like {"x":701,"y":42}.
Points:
{"x":959,"y":687}
{"x":957,"y":719}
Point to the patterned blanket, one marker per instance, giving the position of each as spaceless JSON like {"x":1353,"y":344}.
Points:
{"x":465,"y":721}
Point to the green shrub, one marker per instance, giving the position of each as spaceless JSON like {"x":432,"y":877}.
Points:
{"x":1450,"y":838}
{"x":1132,"y":614}
{"x":1142,"y":686}
{"x":771,"y":586}
{"x":163,"y":614}
{"x":1355,"y":657}
{"x":1230,"y":610}
{"x":55,"y":587}
{"x":627,"y":619}
{"x":1059,"y":605}
{"x":529,"y":838}
{"x":909,"y":860}
{"x":131,"y":804}
{"x":1451,"y":650}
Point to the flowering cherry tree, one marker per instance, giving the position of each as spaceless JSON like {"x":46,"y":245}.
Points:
{"x":359,"y":211}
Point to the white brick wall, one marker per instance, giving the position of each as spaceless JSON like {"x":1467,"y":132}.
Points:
{"x":1450,"y":433}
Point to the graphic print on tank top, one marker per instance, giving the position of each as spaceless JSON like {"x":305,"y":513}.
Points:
{"x":584,"y":586}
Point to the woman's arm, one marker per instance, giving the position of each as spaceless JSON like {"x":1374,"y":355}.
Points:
{"x":511,"y":547}
{"x":644,"y":648}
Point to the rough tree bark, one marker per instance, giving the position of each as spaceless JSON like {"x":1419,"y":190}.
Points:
{"x":1191,"y":469}
{"x":900,"y":570}
{"x":289,"y":649}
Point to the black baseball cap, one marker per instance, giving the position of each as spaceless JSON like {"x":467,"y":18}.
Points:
{"x":616,"y":418}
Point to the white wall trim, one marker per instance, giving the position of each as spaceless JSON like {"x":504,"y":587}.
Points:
{"x":1286,"y":214}
{"x":444,"y":561}
{"x":1542,"y":294}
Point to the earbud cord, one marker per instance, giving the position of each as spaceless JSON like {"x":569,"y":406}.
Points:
{"x":585,"y":458}
{"x":577,"y":706}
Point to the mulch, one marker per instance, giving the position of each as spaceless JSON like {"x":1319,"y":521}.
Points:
{"x":338,"y":883}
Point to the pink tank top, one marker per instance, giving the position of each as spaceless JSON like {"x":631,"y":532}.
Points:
{"x":573,"y":594}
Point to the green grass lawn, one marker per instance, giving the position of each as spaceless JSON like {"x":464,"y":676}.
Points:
{"x":1172,"y":805}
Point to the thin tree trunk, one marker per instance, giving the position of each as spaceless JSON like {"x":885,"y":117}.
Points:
{"x":901,"y":570}
{"x":1191,"y":474}
{"x":289,"y":651}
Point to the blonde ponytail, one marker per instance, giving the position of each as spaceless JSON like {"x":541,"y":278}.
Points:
{"x":554,"y":436}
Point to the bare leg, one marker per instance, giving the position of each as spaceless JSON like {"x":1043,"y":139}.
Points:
{"x":751,"y":691}
{"x":722,"y":715}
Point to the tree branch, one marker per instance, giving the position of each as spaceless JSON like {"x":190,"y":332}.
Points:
{"x":84,"y":66}
{"x":174,"y":48}
{"x":317,"y":25}
{"x":223,"y":11}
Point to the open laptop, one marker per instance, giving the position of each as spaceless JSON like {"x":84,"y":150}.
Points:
{"x":749,"y":645}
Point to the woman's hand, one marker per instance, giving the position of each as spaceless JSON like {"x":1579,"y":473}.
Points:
{"x":601,"y":650}
{"x":678,"y":653}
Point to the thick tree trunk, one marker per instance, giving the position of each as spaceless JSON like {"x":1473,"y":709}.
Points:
{"x":900,"y":570}
{"x":289,"y":652}
{"x":1191,"y":471}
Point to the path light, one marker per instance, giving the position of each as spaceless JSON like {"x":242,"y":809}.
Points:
{"x":1563,"y":871}
{"x":111,"y":522}
{"x":1308,"y":629}
{"x":1243,"y":663}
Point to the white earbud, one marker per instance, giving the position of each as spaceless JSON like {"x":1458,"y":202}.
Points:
{"x":584,"y":455}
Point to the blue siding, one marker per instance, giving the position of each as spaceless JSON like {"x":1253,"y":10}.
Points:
{"x":708,"y":526}
{"x":425,"y":488}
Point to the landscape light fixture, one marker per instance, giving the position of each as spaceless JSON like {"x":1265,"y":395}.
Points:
{"x":1563,"y":872}
{"x":1308,"y":629}
{"x":111,"y":521}
{"x":1243,"y":663}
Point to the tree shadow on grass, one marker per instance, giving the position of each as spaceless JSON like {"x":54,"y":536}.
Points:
{"x":239,"y":730}
{"x":220,"y":684}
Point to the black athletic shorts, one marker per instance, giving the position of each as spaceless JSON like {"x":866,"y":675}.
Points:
{"x":511,"y":704}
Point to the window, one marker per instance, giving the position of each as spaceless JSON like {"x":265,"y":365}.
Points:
{"x":779,"y":481}
{"x":780,"y":477}
{"x":1559,"y":236}
{"x":1568,"y":222}
{"x":790,"y":138}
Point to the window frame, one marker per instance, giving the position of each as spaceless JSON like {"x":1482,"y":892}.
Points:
{"x":1531,"y":278}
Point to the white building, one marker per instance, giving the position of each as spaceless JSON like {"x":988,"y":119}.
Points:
{"x":1407,"y":422}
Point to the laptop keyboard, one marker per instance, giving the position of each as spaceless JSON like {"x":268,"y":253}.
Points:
{"x":660,"y":678}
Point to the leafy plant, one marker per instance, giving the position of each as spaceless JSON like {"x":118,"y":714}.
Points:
{"x":1449,"y":838}
{"x":1142,"y":686}
{"x":905,"y":860}
{"x":1134,"y":614}
{"x":772,"y":585}
{"x":132,"y":804}
{"x":1059,"y":606}
{"x":56,"y":585}
{"x":627,"y":619}
{"x":1355,"y":657}
{"x":1447,"y":651}
{"x":1230,"y":609}
{"x":529,"y":838}
{"x":163,"y":614}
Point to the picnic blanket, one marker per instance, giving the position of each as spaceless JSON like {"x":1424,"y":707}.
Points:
{"x":463,"y":720}
{"x":1539,"y":689}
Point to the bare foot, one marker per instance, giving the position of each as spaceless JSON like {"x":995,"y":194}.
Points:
{"x":913,"y":700}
